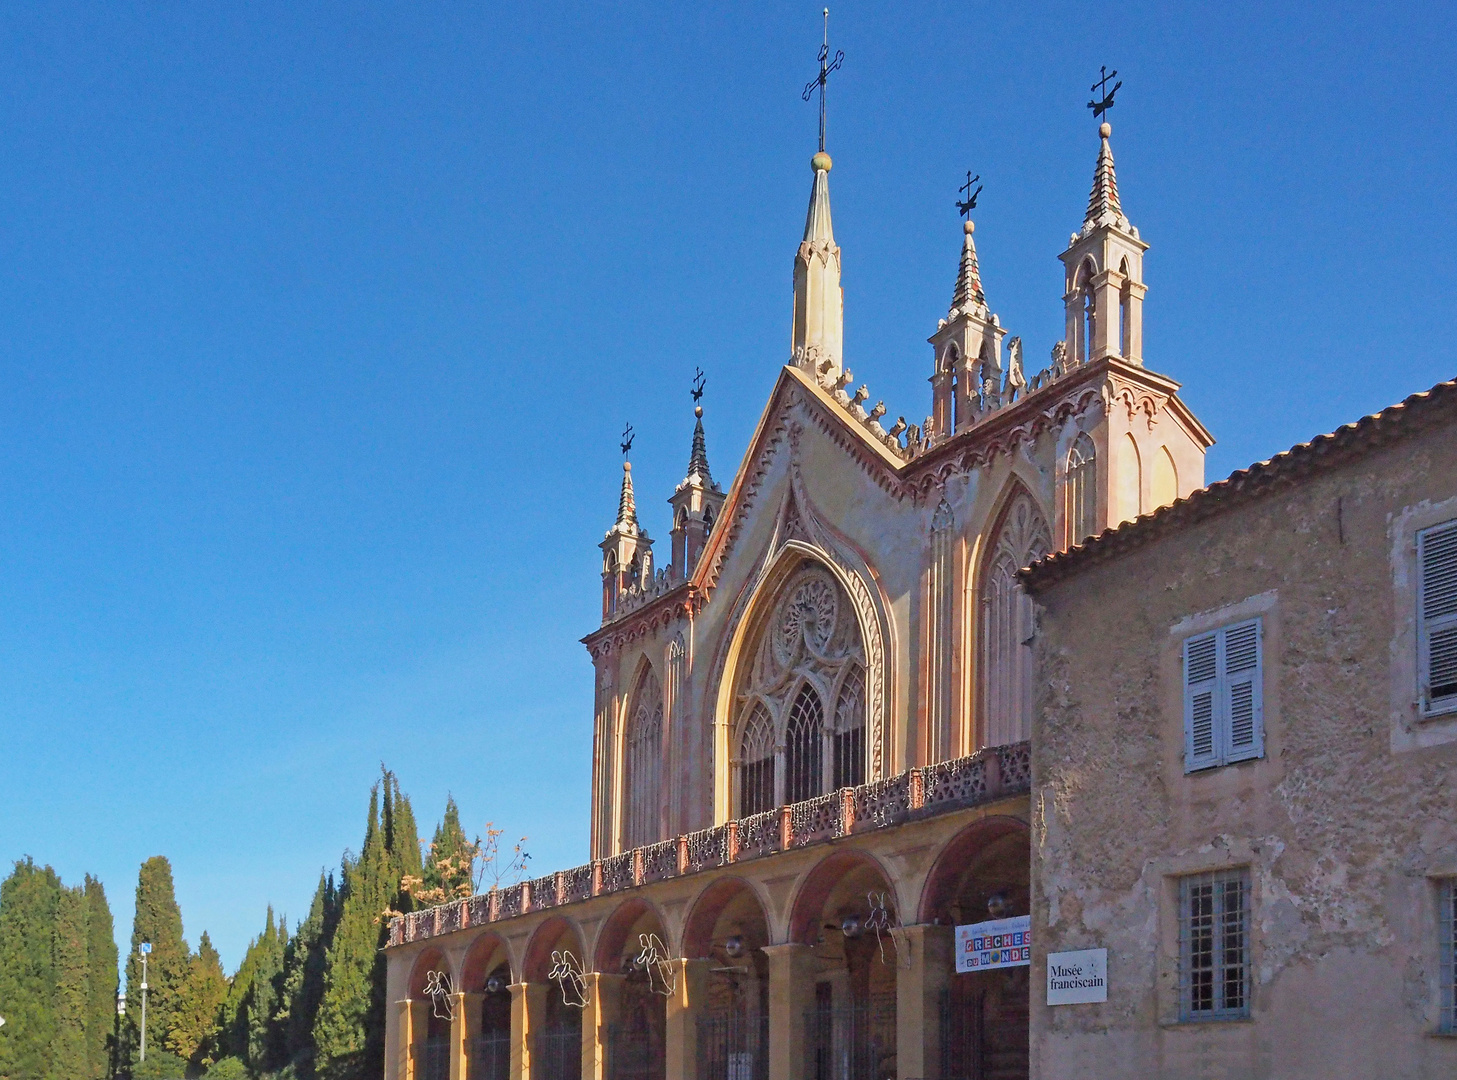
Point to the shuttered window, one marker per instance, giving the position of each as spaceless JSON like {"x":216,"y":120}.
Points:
{"x":1223,"y":698}
{"x":1437,"y":617}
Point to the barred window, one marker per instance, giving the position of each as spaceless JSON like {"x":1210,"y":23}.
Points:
{"x":1447,"y":939}
{"x":1214,"y":945}
{"x":804,"y":750}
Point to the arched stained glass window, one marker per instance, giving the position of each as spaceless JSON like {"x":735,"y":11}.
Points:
{"x":804,"y":737}
{"x":642,"y":795}
{"x":1082,"y":490}
{"x":849,"y":733}
{"x":756,"y":763}
{"x":1006,"y":626}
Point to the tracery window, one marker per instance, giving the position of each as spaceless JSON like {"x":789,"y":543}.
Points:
{"x":800,"y":697}
{"x":642,"y":795}
{"x":1006,"y":625}
{"x":1082,"y":490}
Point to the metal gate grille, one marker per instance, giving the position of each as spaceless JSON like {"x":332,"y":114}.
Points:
{"x":733,"y":1046}
{"x":433,"y":1057}
{"x":855,"y":1043}
{"x":558,"y":1053}
{"x":634,"y":1054}
{"x":490,"y":1057}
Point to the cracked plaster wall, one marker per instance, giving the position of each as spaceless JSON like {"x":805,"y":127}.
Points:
{"x":1345,"y":824}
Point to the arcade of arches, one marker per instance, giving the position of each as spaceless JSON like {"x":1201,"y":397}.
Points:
{"x":818,"y":964}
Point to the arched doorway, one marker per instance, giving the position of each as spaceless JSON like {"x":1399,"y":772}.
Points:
{"x":429,"y":985}
{"x":486,"y":980}
{"x":983,"y":875}
{"x":634,"y":944}
{"x":728,"y":929}
{"x":845,"y":911}
{"x":553,"y":956}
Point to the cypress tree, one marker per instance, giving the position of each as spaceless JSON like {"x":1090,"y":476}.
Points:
{"x":252,"y":1005}
{"x":303,"y":985}
{"x":159,"y":921}
{"x":349,"y":1030}
{"x":101,"y":963}
{"x":71,"y":987}
{"x":451,"y":860}
{"x":194,"y":1035}
{"x":29,"y":899}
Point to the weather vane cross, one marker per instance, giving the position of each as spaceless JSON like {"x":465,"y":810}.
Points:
{"x":1104,"y":101}
{"x":967,"y":205}
{"x":627,"y":437}
{"x":698,"y":383}
{"x":827,"y":65}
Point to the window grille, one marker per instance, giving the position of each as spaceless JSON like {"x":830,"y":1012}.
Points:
{"x":1214,"y":946}
{"x":1224,"y":696}
{"x":1447,"y":941}
{"x":804,"y":752}
{"x":1437,"y":617}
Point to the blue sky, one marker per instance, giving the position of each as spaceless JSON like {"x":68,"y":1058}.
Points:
{"x":319,"y":323}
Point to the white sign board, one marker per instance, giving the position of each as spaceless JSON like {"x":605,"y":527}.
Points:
{"x":1077,"y":978}
{"x":1000,"y":943}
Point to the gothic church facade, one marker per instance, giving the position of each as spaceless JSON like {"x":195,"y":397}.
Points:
{"x":811,"y":725}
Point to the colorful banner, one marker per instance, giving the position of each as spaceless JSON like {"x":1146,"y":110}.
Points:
{"x":999,"y":943}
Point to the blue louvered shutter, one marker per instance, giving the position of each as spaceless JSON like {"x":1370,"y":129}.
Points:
{"x":1437,"y":617}
{"x":1241,"y":691}
{"x":1201,"y":700}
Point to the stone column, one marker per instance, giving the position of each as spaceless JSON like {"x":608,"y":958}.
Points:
{"x":528,"y":1013}
{"x":397,"y":1065}
{"x":690,"y":988}
{"x":463,"y":1029}
{"x":791,"y":992}
{"x":602,"y":994}
{"x":417,"y":1023}
{"x":918,"y":987}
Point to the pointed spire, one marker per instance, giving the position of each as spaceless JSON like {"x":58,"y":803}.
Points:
{"x":626,"y":504}
{"x":1103,"y":205}
{"x":698,"y":459}
{"x":819,"y":302}
{"x":968,"y":294}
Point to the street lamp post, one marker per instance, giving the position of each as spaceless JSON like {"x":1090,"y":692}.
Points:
{"x":146,"y":951}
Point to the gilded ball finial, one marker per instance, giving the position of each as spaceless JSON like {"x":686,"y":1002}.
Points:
{"x":1105,"y":129}
{"x":968,"y":227}
{"x":698,"y":411}
{"x":821,"y":162}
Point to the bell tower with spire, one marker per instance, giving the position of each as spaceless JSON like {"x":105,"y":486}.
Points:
{"x":627,"y":550}
{"x":697,"y":501}
{"x":967,"y":347}
{"x":1104,"y":274}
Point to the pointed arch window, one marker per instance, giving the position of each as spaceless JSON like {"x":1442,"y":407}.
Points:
{"x":804,"y":738}
{"x":848,"y":742}
{"x":1123,"y":305}
{"x":1082,"y":490}
{"x":642,"y":794}
{"x":1006,"y":625}
{"x":1088,"y":316}
{"x":940,"y":636}
{"x":756,"y":763}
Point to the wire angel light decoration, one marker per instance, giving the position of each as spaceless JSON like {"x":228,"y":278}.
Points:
{"x":881,"y":921}
{"x":566,"y":972}
{"x":653,"y":958}
{"x":439,"y":990}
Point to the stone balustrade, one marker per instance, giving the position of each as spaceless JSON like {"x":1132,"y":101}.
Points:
{"x":985,"y":776}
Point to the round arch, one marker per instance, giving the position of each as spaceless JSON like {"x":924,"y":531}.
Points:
{"x":617,"y":937}
{"x":836,"y":888}
{"x":486,"y":954}
{"x":960,"y":857}
{"x":728,"y":904}
{"x":554,"y":935}
{"x":429,"y":960}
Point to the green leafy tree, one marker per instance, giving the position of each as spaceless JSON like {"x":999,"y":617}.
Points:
{"x":158,"y":921}
{"x":349,"y":1031}
{"x":197,"y":1026}
{"x":102,"y":985}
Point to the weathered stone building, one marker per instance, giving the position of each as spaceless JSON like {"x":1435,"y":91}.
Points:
{"x":1245,"y":794}
{"x":810,"y":755}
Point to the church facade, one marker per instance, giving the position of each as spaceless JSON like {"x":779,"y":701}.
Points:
{"x":811,"y":756}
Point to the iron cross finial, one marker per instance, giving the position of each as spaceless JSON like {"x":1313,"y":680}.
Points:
{"x":967,"y":205}
{"x":827,"y":65}
{"x":698,"y":384}
{"x":1104,"y":102}
{"x":627,"y":436}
